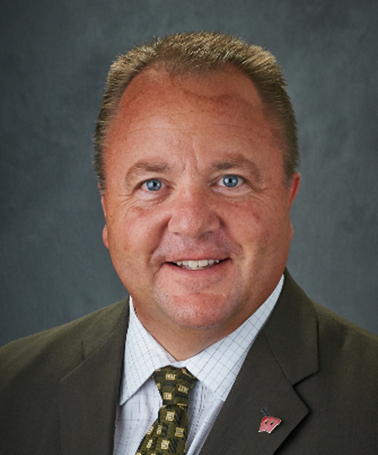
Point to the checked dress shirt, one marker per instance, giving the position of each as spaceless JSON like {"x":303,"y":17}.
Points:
{"x":216,"y":369}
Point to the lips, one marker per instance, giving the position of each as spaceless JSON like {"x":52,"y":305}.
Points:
{"x":200,"y":264}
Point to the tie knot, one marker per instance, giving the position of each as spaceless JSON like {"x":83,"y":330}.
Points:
{"x":174,"y":385}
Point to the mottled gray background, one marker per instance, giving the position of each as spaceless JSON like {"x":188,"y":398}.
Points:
{"x":54,"y":60}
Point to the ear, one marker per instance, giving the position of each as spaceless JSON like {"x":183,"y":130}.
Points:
{"x":292,"y":193}
{"x":105,"y":229}
{"x":294,"y":187}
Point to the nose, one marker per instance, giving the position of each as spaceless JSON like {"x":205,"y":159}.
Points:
{"x":193,"y":214}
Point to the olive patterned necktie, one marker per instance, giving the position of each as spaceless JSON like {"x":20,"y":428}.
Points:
{"x":169,"y":432}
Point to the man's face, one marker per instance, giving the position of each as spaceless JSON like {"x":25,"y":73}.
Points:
{"x":196,"y":206}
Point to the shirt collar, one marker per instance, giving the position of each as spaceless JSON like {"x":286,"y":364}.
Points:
{"x":143,"y":354}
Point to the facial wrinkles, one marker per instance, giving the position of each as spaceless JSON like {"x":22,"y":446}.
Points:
{"x":256,"y":136}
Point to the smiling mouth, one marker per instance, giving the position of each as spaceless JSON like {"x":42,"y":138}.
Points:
{"x":197,"y":265}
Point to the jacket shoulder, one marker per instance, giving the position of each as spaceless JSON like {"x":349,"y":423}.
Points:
{"x":348,"y":347}
{"x":59,"y":349}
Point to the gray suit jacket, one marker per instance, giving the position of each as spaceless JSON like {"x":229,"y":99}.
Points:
{"x":315,"y":371}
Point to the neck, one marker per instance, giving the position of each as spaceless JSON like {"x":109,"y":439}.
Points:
{"x":188,"y":346}
{"x":185,"y":342}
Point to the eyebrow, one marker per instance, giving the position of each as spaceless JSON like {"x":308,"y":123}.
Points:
{"x":143,"y":166}
{"x":239,"y":163}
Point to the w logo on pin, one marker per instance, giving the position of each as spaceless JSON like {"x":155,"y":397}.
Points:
{"x":268,"y":424}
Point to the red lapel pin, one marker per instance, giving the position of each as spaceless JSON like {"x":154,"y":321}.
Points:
{"x":268,"y":424}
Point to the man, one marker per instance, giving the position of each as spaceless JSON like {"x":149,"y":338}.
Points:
{"x":196,"y":155}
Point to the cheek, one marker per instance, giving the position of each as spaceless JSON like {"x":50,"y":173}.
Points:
{"x":249,"y":222}
{"x":257,"y":226}
{"x":137,"y":230}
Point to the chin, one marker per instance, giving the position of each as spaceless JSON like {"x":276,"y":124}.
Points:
{"x":200,"y":311}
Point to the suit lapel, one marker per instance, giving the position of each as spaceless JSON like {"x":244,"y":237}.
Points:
{"x":284,"y":353}
{"x":89,"y":394}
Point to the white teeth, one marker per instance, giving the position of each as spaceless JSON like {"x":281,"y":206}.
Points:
{"x":197,"y":265}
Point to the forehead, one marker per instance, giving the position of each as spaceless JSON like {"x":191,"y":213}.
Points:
{"x":218,"y":85}
{"x":219,"y":110}
{"x":154,"y":92}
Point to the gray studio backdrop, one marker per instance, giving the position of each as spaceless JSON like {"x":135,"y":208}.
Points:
{"x":54,"y":60}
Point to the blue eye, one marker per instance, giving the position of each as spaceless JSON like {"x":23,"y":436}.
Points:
{"x":230,"y":181}
{"x":153,"y":185}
